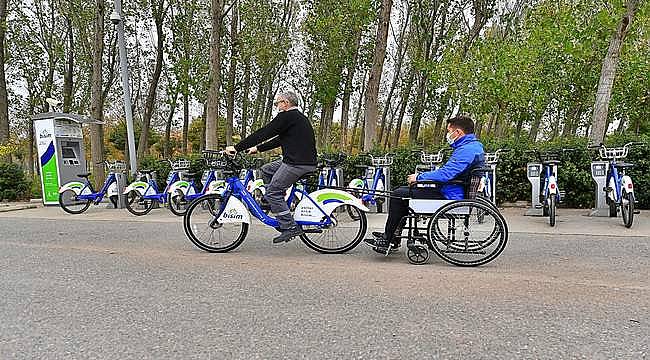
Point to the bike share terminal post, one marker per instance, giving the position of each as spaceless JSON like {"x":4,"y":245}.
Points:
{"x":534,"y":175}
{"x":599,"y":174}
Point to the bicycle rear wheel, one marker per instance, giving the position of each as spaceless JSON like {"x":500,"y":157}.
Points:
{"x":206,"y":232}
{"x":344,"y":234}
{"x":177,"y":203}
{"x":71,"y":204}
{"x":137,"y":204}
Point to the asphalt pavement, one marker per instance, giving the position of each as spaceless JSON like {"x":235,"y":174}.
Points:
{"x":109,"y":285}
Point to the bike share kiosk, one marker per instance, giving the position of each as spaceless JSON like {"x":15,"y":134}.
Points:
{"x":61,"y":155}
{"x":599,"y":174}
{"x":534,"y":175}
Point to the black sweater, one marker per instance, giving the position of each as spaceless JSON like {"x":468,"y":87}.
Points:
{"x":292,"y":131}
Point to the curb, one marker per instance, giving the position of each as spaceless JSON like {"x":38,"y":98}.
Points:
{"x":7,"y":208}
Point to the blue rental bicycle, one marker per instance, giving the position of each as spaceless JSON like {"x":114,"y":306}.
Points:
{"x":75,"y":197}
{"x":142,"y":196}
{"x":372,"y":185}
{"x":551,"y":194}
{"x":182,"y":192}
{"x":486,"y":189}
{"x":328,"y":175}
{"x":220,"y":222}
{"x":619,"y":191}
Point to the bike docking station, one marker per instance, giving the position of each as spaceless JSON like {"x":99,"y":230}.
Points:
{"x":599,"y":174}
{"x":534,"y":175}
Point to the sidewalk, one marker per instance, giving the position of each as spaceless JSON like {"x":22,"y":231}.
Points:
{"x":15,"y":206}
{"x":569,"y":221}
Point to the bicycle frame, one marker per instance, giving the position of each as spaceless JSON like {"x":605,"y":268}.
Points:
{"x":378,"y":175}
{"x":237,"y":189}
{"x":550,"y":183}
{"x":96,"y":196}
{"x":153,"y":186}
{"x":328,"y":172}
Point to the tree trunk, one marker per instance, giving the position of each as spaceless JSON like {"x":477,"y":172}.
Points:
{"x":212,"y":116}
{"x":440,"y":120}
{"x":370,"y":128}
{"x":347,"y":92}
{"x":69,"y":68}
{"x":608,"y":73}
{"x":406,"y":94}
{"x":186,"y":121}
{"x":357,"y":114}
{"x":245,"y":100}
{"x":168,"y":126}
{"x":324,"y":130}
{"x":96,"y":104}
{"x":159,"y":16}
{"x":230,"y":107}
{"x":259,"y":96}
{"x":4,"y":101}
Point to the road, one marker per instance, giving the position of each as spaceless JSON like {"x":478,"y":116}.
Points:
{"x":74,"y":288}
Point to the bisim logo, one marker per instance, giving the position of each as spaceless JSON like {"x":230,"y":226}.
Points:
{"x":233,"y":215}
{"x":45,"y":134}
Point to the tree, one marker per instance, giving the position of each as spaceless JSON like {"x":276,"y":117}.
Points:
{"x":212,"y":115}
{"x":372,"y":92}
{"x":4,"y":102}
{"x":96,"y":102}
{"x":608,"y":73}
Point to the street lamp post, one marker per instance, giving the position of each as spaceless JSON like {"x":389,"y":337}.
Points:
{"x":116,"y":19}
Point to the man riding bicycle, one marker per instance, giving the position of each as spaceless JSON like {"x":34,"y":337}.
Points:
{"x":467,"y":154}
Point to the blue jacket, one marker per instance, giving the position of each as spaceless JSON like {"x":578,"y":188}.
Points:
{"x":468,"y":153}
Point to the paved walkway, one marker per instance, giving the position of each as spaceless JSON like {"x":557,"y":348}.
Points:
{"x":569,"y":221}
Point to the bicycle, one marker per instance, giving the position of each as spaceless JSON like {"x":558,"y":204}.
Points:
{"x":487,"y":185}
{"x":552,"y":194}
{"x":75,"y":197}
{"x":220,"y":222}
{"x":182,"y":192}
{"x":328,"y":176}
{"x":142,"y":197}
{"x":368,"y":190}
{"x":619,"y":192}
{"x":429,"y":161}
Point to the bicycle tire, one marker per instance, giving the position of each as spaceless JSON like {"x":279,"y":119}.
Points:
{"x":135,"y":198}
{"x":627,"y":210}
{"x":203,"y":213}
{"x":551,"y":210}
{"x":340,"y":213}
{"x":65,"y":204}
{"x":177,"y":202}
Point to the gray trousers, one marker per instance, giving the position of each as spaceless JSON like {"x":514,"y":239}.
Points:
{"x":278,"y":177}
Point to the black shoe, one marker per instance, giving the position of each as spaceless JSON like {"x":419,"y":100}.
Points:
{"x":287,"y":235}
{"x":265,"y":206}
{"x":380,"y":235}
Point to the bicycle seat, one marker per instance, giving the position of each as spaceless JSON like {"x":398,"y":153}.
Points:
{"x":190,"y":174}
{"x":85,"y":175}
{"x":551,"y":162}
{"x":623,"y":165}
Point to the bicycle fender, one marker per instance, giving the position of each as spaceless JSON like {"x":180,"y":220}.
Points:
{"x":327,"y":200}
{"x":234,"y":212}
{"x":181,"y":185}
{"x":552,"y":185}
{"x":356,"y":183}
{"x":627,"y":185}
{"x":140,"y":186}
{"x":75,"y":186}
{"x":255,"y":185}
{"x":112,"y":189}
{"x":216,"y":187}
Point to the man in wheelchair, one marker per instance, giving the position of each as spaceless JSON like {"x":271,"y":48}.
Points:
{"x":467,"y":154}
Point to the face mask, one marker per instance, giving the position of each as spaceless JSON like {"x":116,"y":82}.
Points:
{"x":450,"y":138}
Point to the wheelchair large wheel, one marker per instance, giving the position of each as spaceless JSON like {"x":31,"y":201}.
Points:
{"x":457,"y":236}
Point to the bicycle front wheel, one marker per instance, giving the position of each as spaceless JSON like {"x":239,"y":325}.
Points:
{"x":177,"y":202}
{"x":551,"y":209}
{"x":627,"y":209}
{"x":71,"y":204}
{"x":206,"y":232}
{"x":348,"y":227}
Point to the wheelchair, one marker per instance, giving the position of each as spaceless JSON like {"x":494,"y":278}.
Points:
{"x":469,"y":232}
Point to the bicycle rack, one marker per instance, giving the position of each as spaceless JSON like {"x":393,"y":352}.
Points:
{"x":534,"y":174}
{"x":599,"y":174}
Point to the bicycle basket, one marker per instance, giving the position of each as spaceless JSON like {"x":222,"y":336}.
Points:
{"x":180,"y":164}
{"x":382,"y":160}
{"x":491,"y":158}
{"x":614,"y":153}
{"x":214,"y":159}
{"x":431,"y":158}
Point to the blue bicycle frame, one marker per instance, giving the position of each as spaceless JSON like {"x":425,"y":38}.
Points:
{"x":618,"y":180}
{"x":161,"y":196}
{"x":548,"y":172}
{"x":97,"y":197}
{"x":331,"y":175}
{"x":236,"y":188}
{"x":379,"y":175}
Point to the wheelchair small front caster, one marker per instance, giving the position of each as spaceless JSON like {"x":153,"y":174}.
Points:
{"x":417,"y":254}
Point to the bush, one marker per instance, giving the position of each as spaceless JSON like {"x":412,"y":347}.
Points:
{"x":13,"y":184}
